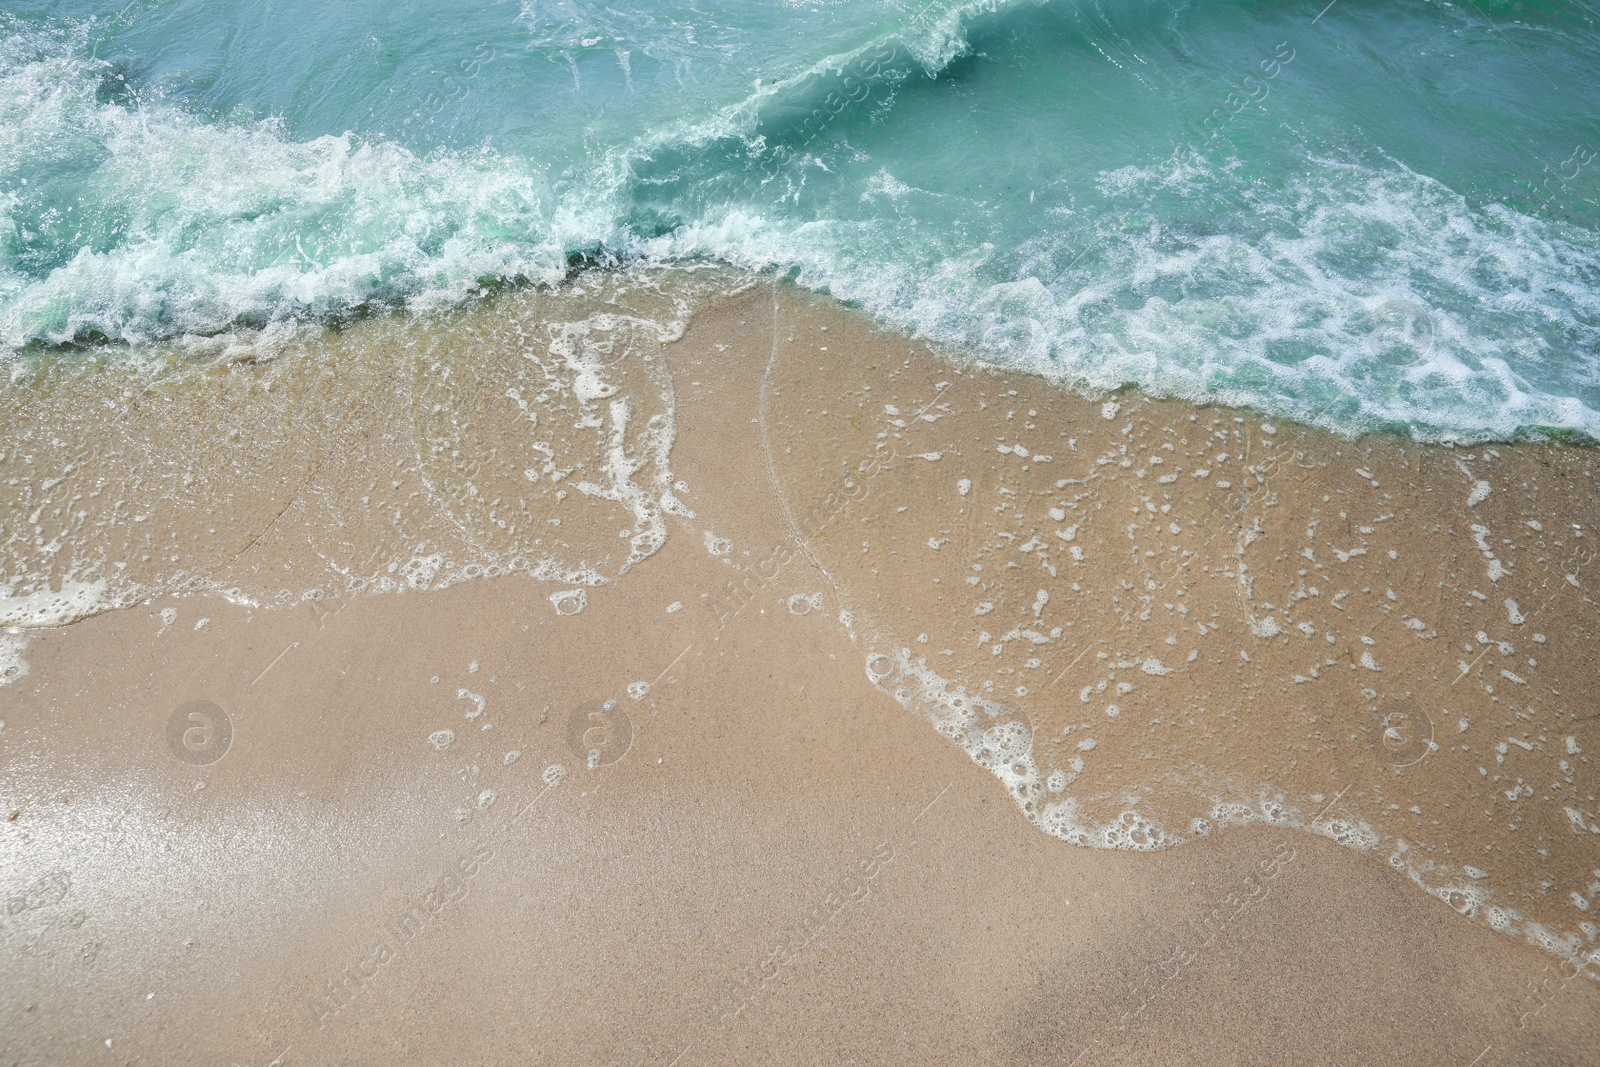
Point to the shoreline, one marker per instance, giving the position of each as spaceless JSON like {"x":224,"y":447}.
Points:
{"x":194,"y":354}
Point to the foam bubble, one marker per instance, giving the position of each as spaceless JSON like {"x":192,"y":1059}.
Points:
{"x":805,"y":603}
{"x":1130,"y":831}
{"x":57,"y":607}
{"x":1350,"y":833}
{"x":569,"y":601}
{"x":1264,"y":628}
{"x":1004,"y":747}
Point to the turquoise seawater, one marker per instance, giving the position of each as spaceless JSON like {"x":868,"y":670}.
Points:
{"x":1373,"y":215}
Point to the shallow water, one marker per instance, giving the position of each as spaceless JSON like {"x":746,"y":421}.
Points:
{"x":1152,"y":623}
{"x":530,"y":434}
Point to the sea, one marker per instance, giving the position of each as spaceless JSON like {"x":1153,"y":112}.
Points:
{"x":1368,"y":215}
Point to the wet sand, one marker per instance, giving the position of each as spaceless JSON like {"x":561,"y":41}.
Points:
{"x":728,"y":832}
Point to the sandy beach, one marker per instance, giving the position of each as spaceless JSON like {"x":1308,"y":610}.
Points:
{"x":533,"y":685}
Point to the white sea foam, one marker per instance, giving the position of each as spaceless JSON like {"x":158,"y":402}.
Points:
{"x":217,"y":220}
{"x":997,"y":737}
{"x":1470,"y":382}
{"x":73,"y":600}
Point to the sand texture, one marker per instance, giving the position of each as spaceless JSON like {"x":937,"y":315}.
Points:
{"x":772,"y":689}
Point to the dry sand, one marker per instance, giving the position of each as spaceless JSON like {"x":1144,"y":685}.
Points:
{"x":765,"y":853}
